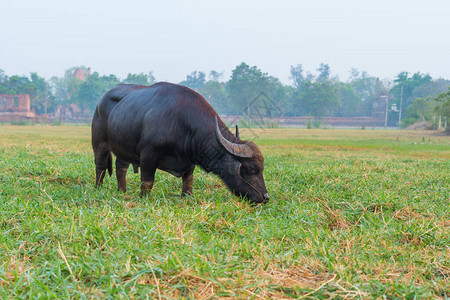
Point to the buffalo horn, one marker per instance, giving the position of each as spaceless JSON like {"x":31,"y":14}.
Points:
{"x":237,"y":132}
{"x":239,"y":150}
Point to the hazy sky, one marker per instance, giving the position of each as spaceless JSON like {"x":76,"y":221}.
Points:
{"x":174,"y":38}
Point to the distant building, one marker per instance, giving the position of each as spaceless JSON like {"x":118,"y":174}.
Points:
{"x":79,"y":73}
{"x":72,"y":113}
{"x":15,"y":107}
{"x":379,"y":106}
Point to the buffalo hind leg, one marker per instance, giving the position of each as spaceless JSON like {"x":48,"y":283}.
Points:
{"x":188,"y":181}
{"x":103,"y":161}
{"x":121,"y":174}
{"x":148,"y":166}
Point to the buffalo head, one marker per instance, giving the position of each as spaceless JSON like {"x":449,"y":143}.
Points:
{"x":243,"y":168}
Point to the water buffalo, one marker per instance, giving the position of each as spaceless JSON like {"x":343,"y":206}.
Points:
{"x":173,"y":128}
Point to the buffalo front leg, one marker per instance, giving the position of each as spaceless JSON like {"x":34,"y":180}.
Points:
{"x":188,"y":181}
{"x":121,"y":174}
{"x":148,"y":166}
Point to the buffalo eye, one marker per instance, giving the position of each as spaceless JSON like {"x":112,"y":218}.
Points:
{"x":251,"y":169}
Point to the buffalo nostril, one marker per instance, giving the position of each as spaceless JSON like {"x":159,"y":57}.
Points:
{"x":266,"y":197}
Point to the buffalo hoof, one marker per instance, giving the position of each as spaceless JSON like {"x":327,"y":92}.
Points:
{"x":187,"y":194}
{"x":146,"y":187}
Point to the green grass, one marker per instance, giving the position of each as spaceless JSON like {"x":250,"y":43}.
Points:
{"x":353,"y":214}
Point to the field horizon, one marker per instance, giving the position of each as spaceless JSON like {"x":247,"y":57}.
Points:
{"x":353,"y":214}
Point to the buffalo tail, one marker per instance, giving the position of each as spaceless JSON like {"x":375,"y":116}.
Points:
{"x":110,"y":164}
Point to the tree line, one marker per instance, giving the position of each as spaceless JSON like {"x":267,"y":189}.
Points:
{"x":318,"y":94}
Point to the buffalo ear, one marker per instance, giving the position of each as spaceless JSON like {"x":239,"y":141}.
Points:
{"x":235,"y":168}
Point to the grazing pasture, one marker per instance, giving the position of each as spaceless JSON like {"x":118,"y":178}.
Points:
{"x":352,"y":214}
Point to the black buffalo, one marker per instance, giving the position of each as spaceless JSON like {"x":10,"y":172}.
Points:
{"x":171,"y":127}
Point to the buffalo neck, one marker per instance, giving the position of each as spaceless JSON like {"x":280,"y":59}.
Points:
{"x":211,"y":158}
{"x":210,"y":155}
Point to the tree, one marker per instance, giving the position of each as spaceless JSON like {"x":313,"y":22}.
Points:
{"x":289,"y":106}
{"x":196,"y":80}
{"x":279,"y":96}
{"x":3,"y":82}
{"x":420,"y":110}
{"x":368,"y":89}
{"x":245,"y":85}
{"x":140,"y":79}
{"x":318,"y":98}
{"x":443,"y":106}
{"x":215,"y":76}
{"x":432,"y":88}
{"x":214,"y":92}
{"x":251,"y":91}
{"x":297,"y":76}
{"x":35,"y":86}
{"x":72,"y":84}
{"x":324,"y":73}
{"x":18,"y":85}
{"x":93,"y":89}
{"x":407,"y":84}
{"x":349,"y":100}
{"x":87,"y":91}
{"x":58,"y":86}
{"x":41,"y":97}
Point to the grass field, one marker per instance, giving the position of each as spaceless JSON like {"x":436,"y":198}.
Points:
{"x":353,"y":214}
